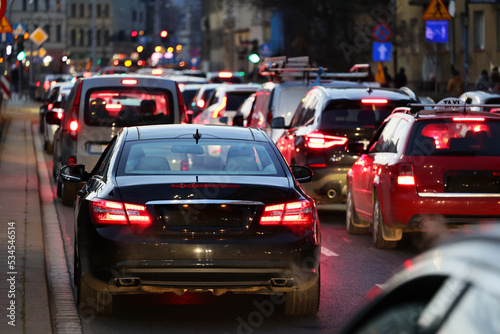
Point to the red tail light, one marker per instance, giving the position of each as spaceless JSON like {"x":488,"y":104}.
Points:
{"x":71,"y":161}
{"x":200,"y":103}
{"x":38,"y":84}
{"x":73,"y":125}
{"x":113,"y":107}
{"x":468,"y":119}
{"x":182,"y":106}
{"x":405,"y":175}
{"x":115,"y":213}
{"x":374,"y":101}
{"x":129,"y":82}
{"x":319,"y":140}
{"x":219,"y":111}
{"x":289,"y":214}
{"x":50,"y":106}
{"x":60,"y":114}
{"x":46,"y":85}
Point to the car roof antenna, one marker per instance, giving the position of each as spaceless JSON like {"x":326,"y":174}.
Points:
{"x":196,"y":136}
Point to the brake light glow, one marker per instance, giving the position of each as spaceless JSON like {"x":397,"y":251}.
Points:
{"x":46,"y":85}
{"x":289,"y":214}
{"x":405,"y":175}
{"x":50,"y":106}
{"x":60,"y":114}
{"x":115,"y":213}
{"x":38,"y":84}
{"x":113,"y":107}
{"x":374,"y":101}
{"x":219,"y":111}
{"x":129,"y":82}
{"x":319,"y":140}
{"x":200,"y":103}
{"x":52,"y":83}
{"x":468,"y":119}
{"x":73,"y":125}
{"x":225,"y":75}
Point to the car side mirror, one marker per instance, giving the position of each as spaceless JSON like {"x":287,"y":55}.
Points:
{"x":74,"y":173}
{"x":278,"y":123}
{"x":302,"y":174}
{"x":52,"y":117}
{"x":355,"y":148}
{"x":238,"y":120}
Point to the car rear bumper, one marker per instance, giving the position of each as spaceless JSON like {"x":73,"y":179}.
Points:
{"x":410,"y":212}
{"x":328,"y":185}
{"x":180,"y":266}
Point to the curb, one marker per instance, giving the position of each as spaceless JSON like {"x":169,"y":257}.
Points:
{"x":65,"y":318}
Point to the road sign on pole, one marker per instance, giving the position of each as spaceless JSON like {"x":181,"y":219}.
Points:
{"x":382,"y":51}
{"x":436,"y":31}
{"x":382,"y":33}
{"x":3,"y":7}
{"x":5,"y":25}
{"x":436,"y":11}
{"x":5,"y":86}
{"x":19,"y":29}
{"x":39,"y":36}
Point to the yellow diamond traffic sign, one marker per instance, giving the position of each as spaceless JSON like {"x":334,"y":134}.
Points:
{"x":39,"y":36}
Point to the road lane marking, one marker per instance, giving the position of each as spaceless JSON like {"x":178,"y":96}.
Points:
{"x":327,"y":252}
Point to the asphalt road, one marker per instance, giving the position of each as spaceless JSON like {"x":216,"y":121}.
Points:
{"x":350,"y":268}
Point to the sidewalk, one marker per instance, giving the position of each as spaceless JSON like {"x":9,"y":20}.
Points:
{"x":24,"y":305}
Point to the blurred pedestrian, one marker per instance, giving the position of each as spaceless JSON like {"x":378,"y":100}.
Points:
{"x":388,"y":77}
{"x":483,"y":81}
{"x":400,"y":78}
{"x":456,"y":84}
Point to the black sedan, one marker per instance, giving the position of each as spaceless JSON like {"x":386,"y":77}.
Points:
{"x":176,"y":208}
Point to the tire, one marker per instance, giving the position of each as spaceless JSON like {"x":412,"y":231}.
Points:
{"x":68,"y":193}
{"x":303,"y":302}
{"x":351,"y":217}
{"x":378,"y":238}
{"x":90,"y":301}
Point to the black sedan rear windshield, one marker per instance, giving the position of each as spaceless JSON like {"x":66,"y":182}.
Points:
{"x":357,"y":114}
{"x":460,"y":136}
{"x":182,"y":156}
{"x":121,"y":107}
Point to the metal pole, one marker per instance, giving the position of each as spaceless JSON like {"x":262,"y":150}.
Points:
{"x":94,"y":56}
{"x":394,"y":33}
{"x":466,"y":46}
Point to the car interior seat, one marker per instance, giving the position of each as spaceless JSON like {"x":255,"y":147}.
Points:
{"x":241,"y":158}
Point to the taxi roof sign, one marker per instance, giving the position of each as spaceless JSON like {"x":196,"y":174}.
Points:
{"x":436,"y":11}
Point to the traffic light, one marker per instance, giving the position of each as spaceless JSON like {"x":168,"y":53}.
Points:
{"x":133,"y":35}
{"x":20,"y":50}
{"x":163,"y":35}
{"x":254,"y":54}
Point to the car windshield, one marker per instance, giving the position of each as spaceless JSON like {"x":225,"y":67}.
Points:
{"x":128,"y":107}
{"x":179,"y":156}
{"x":355,"y":114}
{"x":235,"y":99}
{"x":465,"y":136}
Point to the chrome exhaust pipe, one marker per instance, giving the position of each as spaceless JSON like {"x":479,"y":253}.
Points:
{"x":331,"y":193}
{"x":127,"y":282}
{"x":281,"y":282}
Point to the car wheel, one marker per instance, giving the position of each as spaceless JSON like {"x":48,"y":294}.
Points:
{"x":378,"y":221}
{"x":91,"y":301}
{"x":351,"y":217}
{"x":68,"y":193}
{"x":303,"y":302}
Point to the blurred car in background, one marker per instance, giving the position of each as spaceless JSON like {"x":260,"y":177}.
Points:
{"x":99,"y":106}
{"x":327,"y":120}
{"x":452,"y":288}
{"x":426,"y":170}
{"x":222,"y":105}
{"x":243,"y":111}
{"x":480,"y":97}
{"x":199,"y":102}
{"x":43,"y":85}
{"x":53,"y":115}
{"x":226,"y":77}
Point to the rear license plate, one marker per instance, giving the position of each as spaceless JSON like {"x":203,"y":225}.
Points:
{"x":467,"y":181}
{"x":96,"y":148}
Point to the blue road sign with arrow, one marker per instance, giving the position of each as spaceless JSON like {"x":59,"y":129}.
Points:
{"x":436,"y":31}
{"x":382,"y":51}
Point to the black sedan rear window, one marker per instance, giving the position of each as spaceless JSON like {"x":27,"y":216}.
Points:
{"x":128,"y":107}
{"x":179,"y":156}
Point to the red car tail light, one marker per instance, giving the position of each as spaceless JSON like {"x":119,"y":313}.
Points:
{"x":319,"y":140}
{"x":115,"y":213}
{"x":60,"y":114}
{"x":129,"y":82}
{"x":182,"y":106}
{"x":50,"y":106}
{"x":46,"y":85}
{"x":288,"y":214}
{"x":468,"y":119}
{"x":405,"y":176}
{"x":113,"y":107}
{"x":73,"y":124}
{"x":200,"y":103}
{"x":374,"y":101}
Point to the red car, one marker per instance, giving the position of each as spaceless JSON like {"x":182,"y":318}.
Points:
{"x":442,"y":163}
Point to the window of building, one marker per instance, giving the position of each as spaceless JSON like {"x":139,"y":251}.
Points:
{"x":25,"y":5}
{"x":90,"y":10}
{"x":73,"y":10}
{"x":414,"y":36}
{"x":89,"y":38}
{"x":98,"y":37}
{"x":479,"y":30}
{"x":35,"y":5}
{"x":141,"y":17}
{"x":47,"y":5}
{"x":106,"y":10}
{"x":81,"y":37}
{"x":58,"y":5}
{"x":82,"y":10}
{"x":47,"y":30}
{"x":98,"y":10}
{"x":106,"y":37}
{"x":134,"y":16}
{"x":58,"y":33}
{"x":462,"y":32}
{"x":73,"y":37}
